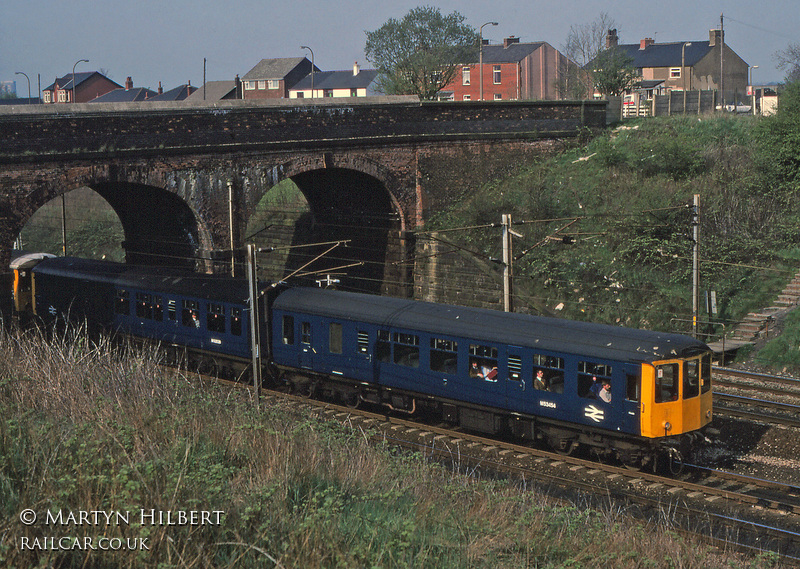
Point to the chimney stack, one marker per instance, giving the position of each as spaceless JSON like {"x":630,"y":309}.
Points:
{"x":510,"y":41}
{"x":612,"y":40}
{"x":643,"y":44}
{"x":356,"y":69}
{"x":128,"y":84}
{"x":160,"y":89}
{"x":715,"y":37}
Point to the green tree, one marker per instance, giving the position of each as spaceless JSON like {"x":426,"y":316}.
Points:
{"x":584,"y":43}
{"x":420,"y":54}
{"x":613,"y":72}
{"x":779,"y":137}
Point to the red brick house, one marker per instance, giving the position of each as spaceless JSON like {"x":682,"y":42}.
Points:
{"x":88,"y":85}
{"x":272,"y":78}
{"x":513,"y":71}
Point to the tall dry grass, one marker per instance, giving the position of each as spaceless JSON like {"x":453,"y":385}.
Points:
{"x":85,"y":426}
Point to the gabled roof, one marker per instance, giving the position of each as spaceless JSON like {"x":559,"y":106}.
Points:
{"x":338,"y":80}
{"x":65,"y":82}
{"x":177,"y":94}
{"x":514,"y":53}
{"x":125,"y":96}
{"x":666,"y":54}
{"x":214,"y":91}
{"x":273,"y":68}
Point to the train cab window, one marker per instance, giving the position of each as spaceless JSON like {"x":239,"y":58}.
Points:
{"x":190,"y":315}
{"x":335,"y":338}
{"x":444,"y":355}
{"x":288,"y":330}
{"x":483,"y":362}
{"x":215,"y":318}
{"x":305,"y":333}
{"x":691,"y":378}
{"x":122,"y":305}
{"x":362,"y":341}
{"x":666,"y":383}
{"x":236,"y":321}
{"x":633,"y":387}
{"x":705,"y":374}
{"x":552,"y":376}
{"x":591,"y":377}
{"x":158,"y":309}
{"x":172,"y":311}
{"x":383,"y":348}
{"x":406,"y":349}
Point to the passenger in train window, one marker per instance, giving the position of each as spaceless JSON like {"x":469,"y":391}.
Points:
{"x":594,"y":390}
{"x":605,"y":391}
{"x":540,"y":382}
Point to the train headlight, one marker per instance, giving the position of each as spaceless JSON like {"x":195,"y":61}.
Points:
{"x":667,"y":426}
{"x":708,"y":414}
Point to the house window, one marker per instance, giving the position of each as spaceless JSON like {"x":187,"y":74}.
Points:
{"x":354,"y":92}
{"x":467,"y":98}
{"x":249,"y":85}
{"x":498,"y":97}
{"x":62,"y":96}
{"x":273,"y":84}
{"x":496,"y":75}
{"x":301,"y":95}
{"x":675,"y":72}
{"x":465,"y":75}
{"x":262,"y":85}
{"x":47,"y":96}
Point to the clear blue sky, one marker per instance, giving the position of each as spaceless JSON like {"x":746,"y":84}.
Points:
{"x":167,"y":40}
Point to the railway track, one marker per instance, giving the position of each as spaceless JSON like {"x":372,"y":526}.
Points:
{"x":731,"y":508}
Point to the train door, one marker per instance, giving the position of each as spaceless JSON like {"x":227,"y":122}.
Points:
{"x":630,"y":399}
{"x":306,"y":353}
{"x":518,"y":390}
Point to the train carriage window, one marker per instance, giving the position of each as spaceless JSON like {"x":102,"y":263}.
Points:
{"x":514,"y":368}
{"x":691,"y":378}
{"x":406,"y":349}
{"x":590,"y":378}
{"x":215,"y":318}
{"x":288,"y":330}
{"x":335,"y":338}
{"x":705,"y":374}
{"x":305,"y":333}
{"x":172,"y":311}
{"x":144,"y":305}
{"x":123,"y":304}
{"x":363,"y":342}
{"x":236,"y":321}
{"x":666,"y":383}
{"x":444,"y":356}
{"x":383,"y":348}
{"x":633,"y":387}
{"x":552,"y":377}
{"x":483,"y":362}
{"x":158,"y":309}
{"x":190,"y":315}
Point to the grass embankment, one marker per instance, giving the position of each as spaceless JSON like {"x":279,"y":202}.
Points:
{"x":83,"y":429}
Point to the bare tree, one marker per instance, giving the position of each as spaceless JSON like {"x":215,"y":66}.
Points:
{"x":789,"y":60}
{"x":586,"y":41}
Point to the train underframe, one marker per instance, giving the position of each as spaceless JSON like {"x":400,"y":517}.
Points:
{"x":563,"y":437}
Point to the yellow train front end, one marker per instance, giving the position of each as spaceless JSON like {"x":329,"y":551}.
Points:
{"x":676,"y":398}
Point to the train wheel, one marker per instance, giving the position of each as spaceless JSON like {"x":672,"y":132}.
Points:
{"x":352,"y":399}
{"x":566,"y":447}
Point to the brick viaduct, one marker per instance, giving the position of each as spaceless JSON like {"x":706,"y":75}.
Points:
{"x":371,"y":170}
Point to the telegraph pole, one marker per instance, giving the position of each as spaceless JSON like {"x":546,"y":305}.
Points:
{"x":255,"y":336}
{"x":695,"y":263}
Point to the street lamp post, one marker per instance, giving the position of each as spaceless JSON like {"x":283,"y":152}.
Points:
{"x":73,"y":76}
{"x":683,"y":66}
{"x":480,"y":55}
{"x":29,"y":84}
{"x":312,"y":67}
{"x":752,"y":87}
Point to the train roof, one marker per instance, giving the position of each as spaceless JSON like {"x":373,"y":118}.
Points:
{"x":550,"y":334}
{"x":220,"y":288}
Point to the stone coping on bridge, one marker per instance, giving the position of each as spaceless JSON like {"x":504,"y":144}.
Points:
{"x":67,"y":109}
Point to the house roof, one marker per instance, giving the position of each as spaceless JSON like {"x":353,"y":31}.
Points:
{"x":177,"y":94}
{"x":666,"y":54}
{"x":512,"y":54}
{"x":214,"y":91}
{"x":65,"y":82}
{"x":273,"y":68}
{"x":125,"y":96}
{"x":338,"y":80}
